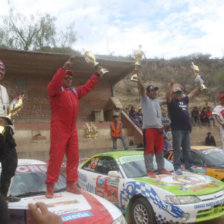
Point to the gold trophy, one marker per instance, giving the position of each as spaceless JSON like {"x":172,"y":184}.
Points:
{"x":138,"y":54}
{"x":14,"y":107}
{"x":90,"y":59}
{"x":198,"y":78}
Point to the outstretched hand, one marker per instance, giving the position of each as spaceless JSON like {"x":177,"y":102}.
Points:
{"x":68,"y":64}
{"x":98,"y":70}
{"x":41,"y":215}
{"x":172,"y":82}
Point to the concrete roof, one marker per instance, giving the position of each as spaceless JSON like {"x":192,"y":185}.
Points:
{"x":45,"y":64}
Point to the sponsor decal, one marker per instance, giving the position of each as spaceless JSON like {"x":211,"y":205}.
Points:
{"x":90,"y":188}
{"x":127,"y":159}
{"x":93,"y":163}
{"x":61,"y":203}
{"x":74,"y":216}
{"x":58,"y":195}
{"x":82,"y":177}
{"x":31,"y":169}
{"x":101,"y":181}
{"x":200,"y":187}
{"x":134,"y":188}
{"x":209,"y":204}
{"x":107,"y":188}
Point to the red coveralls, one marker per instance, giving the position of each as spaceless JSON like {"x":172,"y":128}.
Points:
{"x":63,"y":134}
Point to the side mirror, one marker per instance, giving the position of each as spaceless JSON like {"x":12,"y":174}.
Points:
{"x":114,"y":174}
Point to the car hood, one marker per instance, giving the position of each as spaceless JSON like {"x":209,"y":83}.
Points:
{"x":186,"y":184}
{"x":73,"y":208}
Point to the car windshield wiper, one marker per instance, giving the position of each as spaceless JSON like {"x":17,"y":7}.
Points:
{"x":29,"y":194}
{"x":37,"y":193}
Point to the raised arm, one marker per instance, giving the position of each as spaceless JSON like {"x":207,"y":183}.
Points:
{"x":194,"y":91}
{"x":141,"y":86}
{"x":89,"y":85}
{"x":55,"y":84}
{"x":169,"y":92}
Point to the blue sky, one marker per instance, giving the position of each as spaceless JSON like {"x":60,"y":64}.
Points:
{"x":165,"y":28}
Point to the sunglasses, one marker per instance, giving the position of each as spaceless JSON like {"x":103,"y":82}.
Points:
{"x":178,"y":93}
{"x":68,"y":77}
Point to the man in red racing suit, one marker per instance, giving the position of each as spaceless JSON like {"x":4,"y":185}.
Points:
{"x":64,"y":102}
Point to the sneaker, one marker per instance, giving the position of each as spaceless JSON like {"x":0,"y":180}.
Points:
{"x":191,"y":169}
{"x":50,"y":191}
{"x":151,"y":174}
{"x":164,"y":171}
{"x":179,"y":171}
{"x":71,"y":187}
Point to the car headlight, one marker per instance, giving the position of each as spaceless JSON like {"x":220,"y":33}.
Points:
{"x":120,"y":220}
{"x":180,"y":200}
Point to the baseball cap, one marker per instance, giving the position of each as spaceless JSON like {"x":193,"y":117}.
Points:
{"x":221,"y":96}
{"x":151,"y":87}
{"x":177,"y":89}
{"x":2,"y":65}
{"x":69,"y":72}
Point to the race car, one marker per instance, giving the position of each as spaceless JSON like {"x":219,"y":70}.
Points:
{"x":29,"y":185}
{"x":121,"y":178}
{"x":206,"y":160}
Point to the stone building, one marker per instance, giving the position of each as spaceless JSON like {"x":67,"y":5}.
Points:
{"x":29,"y":73}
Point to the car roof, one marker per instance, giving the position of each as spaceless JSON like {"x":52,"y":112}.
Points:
{"x":24,"y":162}
{"x":118,"y":154}
{"x":202,"y":147}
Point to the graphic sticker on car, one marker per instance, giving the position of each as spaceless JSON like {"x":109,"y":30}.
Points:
{"x":135,"y":188}
{"x":79,"y":215}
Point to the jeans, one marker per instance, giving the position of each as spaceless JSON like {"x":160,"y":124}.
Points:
{"x":194,"y":120}
{"x":115,"y":142}
{"x":181,"y":139}
{"x":148,"y":158}
{"x":209,"y":121}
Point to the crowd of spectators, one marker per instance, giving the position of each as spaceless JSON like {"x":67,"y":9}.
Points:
{"x":198,"y":117}
{"x":136,"y":116}
{"x":202,"y":117}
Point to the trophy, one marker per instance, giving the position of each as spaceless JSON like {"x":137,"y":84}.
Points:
{"x":14,"y":107}
{"x":90,"y":130}
{"x":138,"y":54}
{"x":90,"y":59}
{"x":198,"y":78}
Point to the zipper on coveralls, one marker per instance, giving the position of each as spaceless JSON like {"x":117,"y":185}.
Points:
{"x":73,"y":108}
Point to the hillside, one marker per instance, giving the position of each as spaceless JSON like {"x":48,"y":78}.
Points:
{"x":160,"y":72}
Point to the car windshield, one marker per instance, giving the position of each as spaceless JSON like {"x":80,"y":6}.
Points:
{"x":27,"y":184}
{"x":213,"y":157}
{"x":134,"y":166}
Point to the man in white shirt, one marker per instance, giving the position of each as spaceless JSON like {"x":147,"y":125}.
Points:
{"x":218,"y":112}
{"x":8,"y":155}
{"x":4,"y":98}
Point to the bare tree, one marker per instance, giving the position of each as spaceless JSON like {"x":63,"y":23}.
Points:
{"x":34,"y":32}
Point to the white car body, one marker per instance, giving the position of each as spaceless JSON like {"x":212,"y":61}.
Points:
{"x":174,"y":199}
{"x":73,"y":208}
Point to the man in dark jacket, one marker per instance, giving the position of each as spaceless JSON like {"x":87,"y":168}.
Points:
{"x":8,"y":157}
